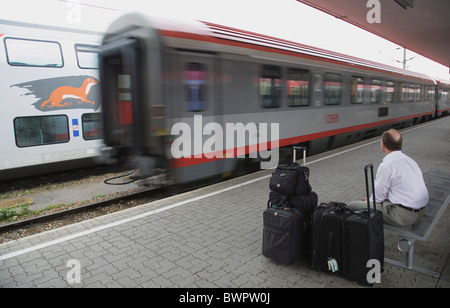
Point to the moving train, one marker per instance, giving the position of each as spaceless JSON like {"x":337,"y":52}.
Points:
{"x":50,"y":116}
{"x":201,"y":99}
{"x":188,"y":73}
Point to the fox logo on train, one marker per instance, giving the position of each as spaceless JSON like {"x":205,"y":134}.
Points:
{"x":75,"y":92}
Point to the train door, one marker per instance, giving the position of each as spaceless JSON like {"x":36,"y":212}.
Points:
{"x":198,"y":105}
{"x":119,"y":80}
{"x":132,"y":108}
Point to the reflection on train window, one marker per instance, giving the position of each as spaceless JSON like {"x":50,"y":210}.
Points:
{"x":87,"y":56}
{"x":298,"y":87}
{"x":375,"y":91}
{"x":357,"y":89}
{"x":270,"y":86}
{"x":390,"y":90}
{"x":195,"y":86}
{"x":92,"y":126}
{"x":332,"y":89}
{"x":22,"y":52}
{"x":35,"y":131}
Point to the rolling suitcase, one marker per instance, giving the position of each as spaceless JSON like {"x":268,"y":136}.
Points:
{"x":305,"y":204}
{"x":328,"y":237}
{"x":282,"y":234}
{"x":364,"y":238}
{"x":287,"y":231}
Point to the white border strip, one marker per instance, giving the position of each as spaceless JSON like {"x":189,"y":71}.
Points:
{"x":178,"y":204}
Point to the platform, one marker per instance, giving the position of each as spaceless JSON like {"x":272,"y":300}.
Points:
{"x":211,"y":237}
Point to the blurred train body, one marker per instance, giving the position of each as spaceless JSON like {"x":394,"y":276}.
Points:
{"x":50,"y":116}
{"x":157,"y":73}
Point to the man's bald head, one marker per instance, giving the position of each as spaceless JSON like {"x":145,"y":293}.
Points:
{"x":392,"y":140}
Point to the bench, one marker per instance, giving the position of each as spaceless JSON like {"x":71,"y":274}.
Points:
{"x":437,"y":180}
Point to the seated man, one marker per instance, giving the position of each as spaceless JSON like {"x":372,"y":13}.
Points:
{"x":400,"y":190}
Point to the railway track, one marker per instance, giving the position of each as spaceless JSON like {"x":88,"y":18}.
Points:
{"x":72,"y":211}
{"x":134,"y":197}
{"x":90,"y":209}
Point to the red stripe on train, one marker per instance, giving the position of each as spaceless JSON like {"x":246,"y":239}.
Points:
{"x":210,"y":157}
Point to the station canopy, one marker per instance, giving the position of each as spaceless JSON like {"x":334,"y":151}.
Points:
{"x":422,"y":26}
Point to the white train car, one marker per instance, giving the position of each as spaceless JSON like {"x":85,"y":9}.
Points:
{"x":171,"y":90}
{"x":50,"y":115}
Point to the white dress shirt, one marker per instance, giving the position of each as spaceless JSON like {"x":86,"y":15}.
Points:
{"x":400,"y":180}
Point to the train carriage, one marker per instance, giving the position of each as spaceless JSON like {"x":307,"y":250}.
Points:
{"x":51,"y":105}
{"x":442,"y":97}
{"x":199,"y":98}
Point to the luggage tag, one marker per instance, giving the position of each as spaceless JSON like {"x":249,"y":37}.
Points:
{"x":333,"y":265}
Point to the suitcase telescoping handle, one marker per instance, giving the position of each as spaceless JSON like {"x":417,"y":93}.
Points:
{"x":366,"y":171}
{"x":294,"y":159}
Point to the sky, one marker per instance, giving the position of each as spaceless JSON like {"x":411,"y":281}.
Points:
{"x":286,"y":19}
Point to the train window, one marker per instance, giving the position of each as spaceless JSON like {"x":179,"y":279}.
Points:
{"x":402,"y":92}
{"x":87,"y":56}
{"x":431,"y":93}
{"x":375,"y":91}
{"x":332,"y":89}
{"x":426,"y":93}
{"x":35,"y":131}
{"x":23,"y":52}
{"x":418,"y":93}
{"x":357,"y":90}
{"x":443,"y":94}
{"x":125,"y":99}
{"x":411,"y":92}
{"x":270,"y":86}
{"x":390,"y":89}
{"x":195,"y":86}
{"x":298,"y":87}
{"x":92,"y":126}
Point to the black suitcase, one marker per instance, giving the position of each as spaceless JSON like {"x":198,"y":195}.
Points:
{"x":305,"y":204}
{"x":282,"y":235}
{"x":364,"y":238}
{"x":328,"y":237}
{"x":291,"y":178}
